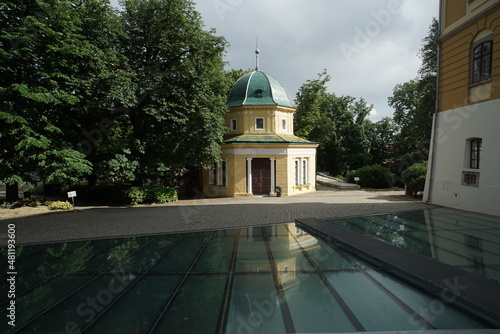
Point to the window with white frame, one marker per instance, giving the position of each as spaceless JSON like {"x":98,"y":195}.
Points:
{"x":218,"y":174}
{"x":259,"y":123}
{"x":297,"y":172}
{"x":233,"y":125}
{"x":283,"y":123}
{"x":301,"y":171}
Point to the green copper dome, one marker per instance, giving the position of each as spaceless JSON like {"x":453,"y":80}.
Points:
{"x":258,"y":89}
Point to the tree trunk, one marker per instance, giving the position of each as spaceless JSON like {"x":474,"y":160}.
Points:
{"x":12,"y":194}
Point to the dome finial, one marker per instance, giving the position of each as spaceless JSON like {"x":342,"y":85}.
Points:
{"x":257,"y":52}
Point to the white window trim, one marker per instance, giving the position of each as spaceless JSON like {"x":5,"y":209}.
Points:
{"x":284,"y":124}
{"x":296,"y":172}
{"x":235,"y":128}
{"x":218,"y":180}
{"x":263,"y":123}
{"x":302,"y":165}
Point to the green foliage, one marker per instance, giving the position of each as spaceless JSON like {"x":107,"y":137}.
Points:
{"x":160,"y":195}
{"x":31,"y":202}
{"x":374,"y":176}
{"x":60,"y":205}
{"x":56,"y":80}
{"x":414,"y":178}
{"x":136,"y":195}
{"x":151,"y":194}
{"x":182,"y":88}
{"x":380,"y":137}
{"x":121,"y":168}
{"x":125,"y":194}
{"x":399,"y":164}
{"x":87,"y":91}
{"x":336,"y":123}
{"x":415,"y":101}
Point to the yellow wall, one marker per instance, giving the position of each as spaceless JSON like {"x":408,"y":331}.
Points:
{"x":292,"y":189}
{"x":236,"y":166}
{"x":454,"y":11}
{"x":455,"y":64}
{"x":245,"y":119}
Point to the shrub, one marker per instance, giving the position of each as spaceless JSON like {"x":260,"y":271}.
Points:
{"x":414,"y":178}
{"x":374,"y":176}
{"x":60,"y":205}
{"x":125,"y":194}
{"x":31,"y":202}
{"x":136,"y":195}
{"x":160,"y":195}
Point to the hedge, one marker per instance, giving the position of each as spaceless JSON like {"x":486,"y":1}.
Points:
{"x":414,"y":178}
{"x":374,"y":176}
{"x":125,"y":194}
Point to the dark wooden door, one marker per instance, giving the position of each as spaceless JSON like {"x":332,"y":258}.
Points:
{"x":261,"y":176}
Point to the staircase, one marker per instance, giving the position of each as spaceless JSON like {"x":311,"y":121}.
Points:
{"x":329,"y":181}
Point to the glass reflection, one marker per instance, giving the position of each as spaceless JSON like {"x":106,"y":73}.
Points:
{"x":466,"y":240}
{"x":272,"y":279}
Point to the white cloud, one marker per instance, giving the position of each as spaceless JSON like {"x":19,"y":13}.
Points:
{"x":299,"y":39}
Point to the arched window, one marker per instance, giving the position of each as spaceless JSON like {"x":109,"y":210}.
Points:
{"x":482,"y":51}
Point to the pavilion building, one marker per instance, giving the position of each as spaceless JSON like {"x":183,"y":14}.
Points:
{"x":260,"y":153}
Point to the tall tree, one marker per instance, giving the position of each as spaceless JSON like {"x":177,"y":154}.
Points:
{"x":178,"y":120}
{"x":414,"y":101}
{"x":380,"y":139}
{"x":336,"y":123}
{"x":40,"y":43}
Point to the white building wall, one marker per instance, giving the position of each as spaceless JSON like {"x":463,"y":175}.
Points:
{"x":450,"y":159}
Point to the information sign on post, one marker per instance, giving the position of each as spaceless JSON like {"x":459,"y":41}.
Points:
{"x":72,"y":195}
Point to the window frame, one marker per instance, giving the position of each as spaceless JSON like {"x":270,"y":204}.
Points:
{"x":305,"y":179}
{"x":297,"y":172}
{"x":475,"y":145}
{"x":218,"y":174}
{"x":263,"y":123}
{"x":480,"y":60}
{"x":223,"y":173}
{"x":233,"y":124}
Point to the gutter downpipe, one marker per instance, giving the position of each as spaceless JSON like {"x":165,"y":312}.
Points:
{"x":435,"y":119}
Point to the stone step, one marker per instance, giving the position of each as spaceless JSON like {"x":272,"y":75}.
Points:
{"x":334,"y":183}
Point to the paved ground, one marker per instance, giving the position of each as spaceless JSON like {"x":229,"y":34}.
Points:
{"x":203,"y":214}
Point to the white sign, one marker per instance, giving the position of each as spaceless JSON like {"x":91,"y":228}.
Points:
{"x":71,"y":194}
{"x":356,"y":178}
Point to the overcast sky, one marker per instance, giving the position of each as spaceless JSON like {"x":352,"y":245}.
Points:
{"x":367,"y":46}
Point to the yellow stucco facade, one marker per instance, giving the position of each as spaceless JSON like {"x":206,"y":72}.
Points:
{"x":463,"y":26}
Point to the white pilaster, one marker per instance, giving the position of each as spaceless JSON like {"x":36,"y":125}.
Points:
{"x":249,"y":176}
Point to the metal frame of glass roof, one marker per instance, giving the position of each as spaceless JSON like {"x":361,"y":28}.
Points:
{"x":271,"y":279}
